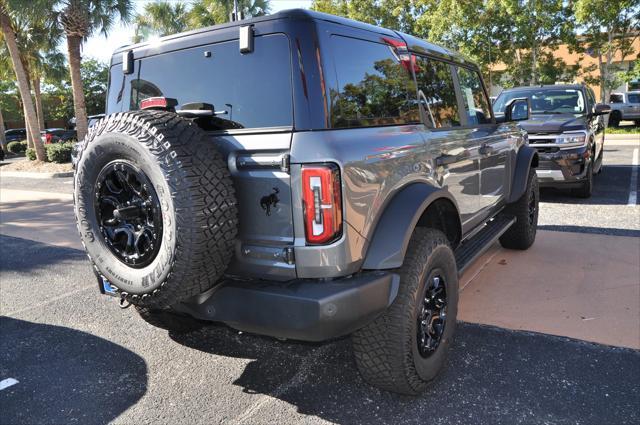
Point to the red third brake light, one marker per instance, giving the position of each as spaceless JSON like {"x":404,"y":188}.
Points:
{"x":158,"y":103}
{"x":322,"y":203}
{"x":407,"y":60}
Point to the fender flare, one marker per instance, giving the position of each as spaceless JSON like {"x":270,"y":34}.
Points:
{"x":395,"y":227}
{"x":527,"y":157}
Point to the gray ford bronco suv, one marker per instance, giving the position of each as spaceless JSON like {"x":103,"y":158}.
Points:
{"x":303,"y":176}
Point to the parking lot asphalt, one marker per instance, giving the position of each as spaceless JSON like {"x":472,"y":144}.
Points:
{"x":78,"y":358}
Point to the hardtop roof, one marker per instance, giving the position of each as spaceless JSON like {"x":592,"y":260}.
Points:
{"x":416,"y":44}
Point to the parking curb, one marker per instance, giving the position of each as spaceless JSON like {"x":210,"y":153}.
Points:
{"x":36,"y":175}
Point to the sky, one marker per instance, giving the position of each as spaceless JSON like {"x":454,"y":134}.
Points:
{"x":101,"y":48}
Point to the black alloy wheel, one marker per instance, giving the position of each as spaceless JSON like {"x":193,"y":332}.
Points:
{"x":432,"y":317}
{"x":128,"y":212}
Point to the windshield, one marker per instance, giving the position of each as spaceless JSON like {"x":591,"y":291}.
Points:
{"x":546,"y":101}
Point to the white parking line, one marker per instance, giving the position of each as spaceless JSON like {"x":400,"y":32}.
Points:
{"x":6,"y":383}
{"x":633,"y":187}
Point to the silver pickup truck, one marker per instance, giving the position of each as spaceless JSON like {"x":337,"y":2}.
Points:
{"x":624,"y":107}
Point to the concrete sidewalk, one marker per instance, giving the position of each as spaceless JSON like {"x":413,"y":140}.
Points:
{"x":584,"y":286}
{"x":39,"y":216}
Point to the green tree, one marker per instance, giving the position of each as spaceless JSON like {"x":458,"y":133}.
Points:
{"x":80,"y":19}
{"x":210,"y":12}
{"x":9,"y":10}
{"x":399,"y":15}
{"x":161,"y":18}
{"x":608,"y":28}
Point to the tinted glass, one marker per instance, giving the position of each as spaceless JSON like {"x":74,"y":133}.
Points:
{"x":546,"y":101}
{"x":616,"y":98}
{"x":249,"y":90}
{"x":437,"y":93}
{"x":634,"y":98}
{"x":475,"y":101}
{"x":373,"y":87}
{"x":15,"y":133}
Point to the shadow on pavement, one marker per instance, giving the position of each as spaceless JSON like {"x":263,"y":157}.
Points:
{"x":590,"y":229}
{"x":493,"y":376}
{"x":611,"y":187}
{"x":18,"y":254}
{"x":65,"y":375}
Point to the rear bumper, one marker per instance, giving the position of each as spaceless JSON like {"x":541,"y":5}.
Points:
{"x":308,"y":310}
{"x":564,"y":168}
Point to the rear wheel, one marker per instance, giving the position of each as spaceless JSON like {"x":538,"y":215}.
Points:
{"x":405,"y":348}
{"x":522,"y":233}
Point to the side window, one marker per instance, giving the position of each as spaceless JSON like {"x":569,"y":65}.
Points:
{"x":473,"y":96}
{"x":260,"y":98}
{"x":374,"y":88}
{"x":634,"y":98}
{"x":437,"y":93}
{"x":616,"y":98}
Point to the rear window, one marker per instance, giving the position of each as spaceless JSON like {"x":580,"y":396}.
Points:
{"x":15,"y":132}
{"x":616,"y":98}
{"x":250,"y":90}
{"x":373,"y":87}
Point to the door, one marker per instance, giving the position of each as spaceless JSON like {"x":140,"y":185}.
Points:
{"x":632,"y":107}
{"x":494,"y":144}
{"x":456,"y":157}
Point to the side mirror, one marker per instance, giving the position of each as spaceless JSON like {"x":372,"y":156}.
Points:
{"x":517,"y":109}
{"x":602,"y":109}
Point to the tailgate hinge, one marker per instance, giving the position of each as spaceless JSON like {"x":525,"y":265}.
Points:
{"x":285,"y":163}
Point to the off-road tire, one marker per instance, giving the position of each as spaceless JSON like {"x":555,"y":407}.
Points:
{"x":586,"y":187}
{"x":522,"y":233}
{"x":169,"y":320}
{"x":195,"y":197}
{"x":386,"y":350}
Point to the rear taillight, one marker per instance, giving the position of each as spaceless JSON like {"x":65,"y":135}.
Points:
{"x":322,"y":203}
{"x":47,"y":138}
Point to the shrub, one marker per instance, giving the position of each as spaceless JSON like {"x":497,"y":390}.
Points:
{"x":17,"y":147}
{"x":31,"y":154}
{"x":59,"y":152}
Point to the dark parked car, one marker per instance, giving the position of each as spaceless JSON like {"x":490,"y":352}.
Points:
{"x":303,"y":176}
{"x":567,"y":129}
{"x":15,"y":135}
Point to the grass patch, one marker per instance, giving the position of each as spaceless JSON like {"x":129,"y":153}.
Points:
{"x":623,"y":130}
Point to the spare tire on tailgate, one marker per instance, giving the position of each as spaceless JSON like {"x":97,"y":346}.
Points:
{"x":155,"y":206}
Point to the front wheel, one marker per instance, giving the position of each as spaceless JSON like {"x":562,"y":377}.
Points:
{"x":586,"y":188}
{"x":405,"y":348}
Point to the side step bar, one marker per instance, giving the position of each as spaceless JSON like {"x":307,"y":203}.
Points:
{"x":472,"y":248}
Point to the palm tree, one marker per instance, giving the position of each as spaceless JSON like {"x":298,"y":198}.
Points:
{"x":38,"y":39}
{"x":80,"y":19}
{"x":161,"y":18}
{"x":210,"y":12}
{"x":7,"y":29}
